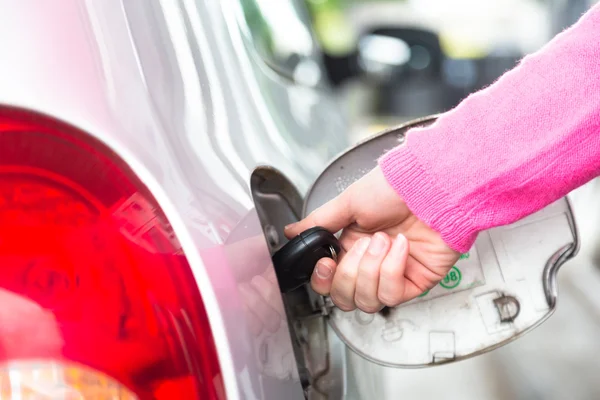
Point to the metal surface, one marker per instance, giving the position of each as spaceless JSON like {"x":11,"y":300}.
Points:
{"x":503,"y":287}
{"x":334,"y":254}
{"x":279,"y":203}
{"x":173,"y":89}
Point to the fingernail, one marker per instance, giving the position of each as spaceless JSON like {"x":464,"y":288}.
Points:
{"x":322,"y":270}
{"x":290,"y":226}
{"x":377,"y":244}
{"x":362,"y":245}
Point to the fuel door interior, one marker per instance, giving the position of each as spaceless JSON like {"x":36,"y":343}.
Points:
{"x":503,"y":287}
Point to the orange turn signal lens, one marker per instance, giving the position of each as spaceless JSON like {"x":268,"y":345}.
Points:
{"x":51,"y":380}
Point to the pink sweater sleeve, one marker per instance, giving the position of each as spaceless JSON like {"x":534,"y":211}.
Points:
{"x":511,"y":149}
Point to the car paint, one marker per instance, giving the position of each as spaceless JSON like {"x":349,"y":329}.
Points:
{"x":174,"y":89}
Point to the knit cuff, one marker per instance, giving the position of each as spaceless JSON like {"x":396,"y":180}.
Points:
{"x":426,"y":199}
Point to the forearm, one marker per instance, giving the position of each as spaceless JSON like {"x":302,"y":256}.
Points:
{"x":510,"y":149}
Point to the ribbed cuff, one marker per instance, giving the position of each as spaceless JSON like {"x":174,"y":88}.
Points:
{"x":426,"y":199}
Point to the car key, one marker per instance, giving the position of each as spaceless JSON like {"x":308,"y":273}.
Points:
{"x":295,"y":261}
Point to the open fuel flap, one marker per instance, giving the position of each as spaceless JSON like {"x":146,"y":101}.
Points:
{"x":318,"y":351}
{"x":503,"y":287}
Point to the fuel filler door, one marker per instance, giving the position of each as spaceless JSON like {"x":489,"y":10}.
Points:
{"x":502,"y":288}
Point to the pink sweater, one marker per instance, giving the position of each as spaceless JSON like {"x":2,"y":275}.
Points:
{"x":511,"y":149}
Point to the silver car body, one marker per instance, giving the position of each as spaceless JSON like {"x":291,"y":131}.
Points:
{"x":175,"y":89}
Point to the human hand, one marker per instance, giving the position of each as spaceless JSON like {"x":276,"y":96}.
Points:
{"x":388,"y":255}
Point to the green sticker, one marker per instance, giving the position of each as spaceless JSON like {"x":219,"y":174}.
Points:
{"x":464,"y":256}
{"x":424,"y":293}
{"x":451,"y":280}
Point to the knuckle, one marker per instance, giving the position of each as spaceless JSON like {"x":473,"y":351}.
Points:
{"x":317,"y":217}
{"x":390,"y":299}
{"x":347,"y":275}
{"x":341,"y":302}
{"x":389,"y":274}
{"x":367,"y":306}
{"x":370,"y":274}
{"x":345,"y":307}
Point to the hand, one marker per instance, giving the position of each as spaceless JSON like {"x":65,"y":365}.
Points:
{"x":388,"y":255}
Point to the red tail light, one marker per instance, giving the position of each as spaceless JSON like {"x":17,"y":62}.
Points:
{"x":94,"y":288}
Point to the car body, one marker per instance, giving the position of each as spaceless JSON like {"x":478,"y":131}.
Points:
{"x":178,"y":91}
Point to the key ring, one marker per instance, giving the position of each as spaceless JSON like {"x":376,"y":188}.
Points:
{"x":334,"y":254}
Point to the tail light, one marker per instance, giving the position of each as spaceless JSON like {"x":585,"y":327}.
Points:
{"x":97,"y":299}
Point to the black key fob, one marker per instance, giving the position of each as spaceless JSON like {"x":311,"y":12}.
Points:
{"x":294,"y":263}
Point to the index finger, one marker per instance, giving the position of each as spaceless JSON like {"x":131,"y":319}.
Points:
{"x":334,"y":215}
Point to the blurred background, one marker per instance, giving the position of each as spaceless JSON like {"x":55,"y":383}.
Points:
{"x":395,"y":60}
{"x":392,"y":61}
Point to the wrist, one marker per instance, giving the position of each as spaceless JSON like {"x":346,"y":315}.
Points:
{"x":426,"y":199}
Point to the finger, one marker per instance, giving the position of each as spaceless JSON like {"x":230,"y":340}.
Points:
{"x":344,"y":280}
{"x":333,"y":216}
{"x":322,"y":276}
{"x":367,"y":280}
{"x":265,"y":313}
{"x":420,"y":278}
{"x":350,"y":236}
{"x":391,"y":291}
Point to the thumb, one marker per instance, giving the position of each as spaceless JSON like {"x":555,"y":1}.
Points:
{"x":334,"y":215}
{"x":322,"y":276}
